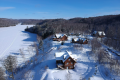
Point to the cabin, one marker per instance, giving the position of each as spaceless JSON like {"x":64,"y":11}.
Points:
{"x":65,"y":60}
{"x":60,"y":37}
{"x":80,"y":40}
{"x":100,"y":34}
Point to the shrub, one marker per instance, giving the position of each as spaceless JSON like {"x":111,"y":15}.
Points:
{"x":62,"y":43}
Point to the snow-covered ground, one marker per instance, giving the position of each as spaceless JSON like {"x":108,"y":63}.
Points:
{"x":84,"y":68}
{"x":14,"y":38}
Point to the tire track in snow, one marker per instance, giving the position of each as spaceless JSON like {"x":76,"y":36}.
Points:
{"x":97,"y":68}
{"x":102,"y":74}
{"x":90,"y":69}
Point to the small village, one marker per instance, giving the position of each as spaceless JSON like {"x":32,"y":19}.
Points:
{"x":64,"y":56}
{"x":60,"y":40}
{"x":66,"y":60}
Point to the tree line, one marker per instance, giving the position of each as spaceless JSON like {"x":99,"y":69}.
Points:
{"x":108,"y":23}
{"x":105,"y":58}
{"x":4,"y":22}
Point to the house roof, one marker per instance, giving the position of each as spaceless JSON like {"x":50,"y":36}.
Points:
{"x":60,"y":35}
{"x":99,"y":32}
{"x":65,"y":55}
{"x":77,"y":39}
{"x":82,"y":39}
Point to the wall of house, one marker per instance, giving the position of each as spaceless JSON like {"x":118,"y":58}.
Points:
{"x":69,"y":65}
{"x":55,"y":39}
{"x":85,"y":42}
{"x":80,"y":41}
{"x":101,"y":36}
{"x":64,"y":38}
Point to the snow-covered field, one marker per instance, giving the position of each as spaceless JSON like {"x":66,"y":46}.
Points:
{"x":84,"y":68}
{"x":14,"y":38}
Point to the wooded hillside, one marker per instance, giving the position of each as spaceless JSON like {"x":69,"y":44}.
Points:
{"x":110,"y":24}
{"x":8,"y":22}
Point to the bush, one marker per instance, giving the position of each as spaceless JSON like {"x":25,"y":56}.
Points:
{"x":62,"y":43}
{"x":2,"y":73}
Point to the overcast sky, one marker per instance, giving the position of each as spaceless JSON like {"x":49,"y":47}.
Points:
{"x":50,"y":9}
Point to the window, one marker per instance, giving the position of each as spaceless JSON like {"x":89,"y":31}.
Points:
{"x":71,"y":63}
{"x":71,"y":66}
{"x":69,"y":59}
{"x":67,"y":63}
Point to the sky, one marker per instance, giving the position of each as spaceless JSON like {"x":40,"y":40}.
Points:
{"x":53,"y":9}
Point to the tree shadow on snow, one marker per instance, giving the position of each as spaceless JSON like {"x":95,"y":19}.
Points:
{"x":51,"y":64}
{"x":16,"y":53}
{"x":31,"y":36}
{"x":39,"y":70}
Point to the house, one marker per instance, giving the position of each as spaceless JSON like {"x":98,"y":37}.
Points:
{"x":60,"y":37}
{"x":65,"y":60}
{"x":98,"y":34}
{"x":79,"y":40}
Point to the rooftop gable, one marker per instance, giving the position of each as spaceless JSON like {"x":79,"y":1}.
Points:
{"x":59,"y":35}
{"x":99,"y":32}
{"x":77,"y":39}
{"x":65,"y":55}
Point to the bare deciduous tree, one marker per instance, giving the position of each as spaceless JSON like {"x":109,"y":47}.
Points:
{"x":100,"y":55}
{"x":2,"y":74}
{"x":36,"y":48}
{"x":10,"y":65}
{"x":39,"y":38}
{"x":22,"y":53}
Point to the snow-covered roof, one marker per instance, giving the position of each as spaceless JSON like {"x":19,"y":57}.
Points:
{"x":60,"y":35}
{"x":77,"y":39}
{"x":59,"y":55}
{"x":99,"y":32}
{"x":65,"y":55}
{"x":94,"y":32}
{"x":69,"y":54}
{"x":82,"y":39}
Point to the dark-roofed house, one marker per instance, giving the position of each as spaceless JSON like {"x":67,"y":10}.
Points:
{"x":60,"y":37}
{"x":65,"y":60}
{"x":98,"y":34}
{"x":79,"y":40}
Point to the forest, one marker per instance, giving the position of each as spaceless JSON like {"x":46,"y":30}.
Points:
{"x":4,"y":22}
{"x":107,"y":23}
{"x":8,"y":22}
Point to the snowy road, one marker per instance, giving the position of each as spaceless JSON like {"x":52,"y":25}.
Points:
{"x":13,"y":38}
